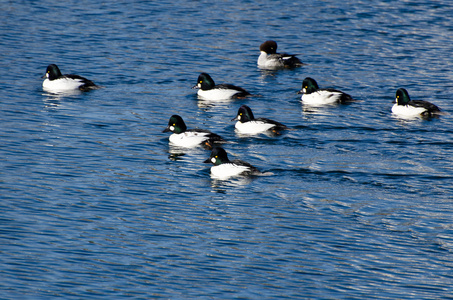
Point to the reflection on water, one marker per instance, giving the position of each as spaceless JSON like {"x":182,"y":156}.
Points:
{"x":51,"y":102}
{"x":220,"y":185}
{"x":268,"y":133}
{"x":320,"y":110}
{"x":209,"y":104}
{"x":53,"y":95}
{"x":417,"y":117}
{"x":267,"y":76}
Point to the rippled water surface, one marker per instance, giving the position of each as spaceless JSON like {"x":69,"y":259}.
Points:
{"x":95,"y":204}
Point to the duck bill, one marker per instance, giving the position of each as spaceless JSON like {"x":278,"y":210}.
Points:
{"x":300,"y":92}
{"x":208,"y":144}
{"x":197,"y":86}
{"x":235,"y":119}
{"x":208,"y":161}
{"x":166,"y":129}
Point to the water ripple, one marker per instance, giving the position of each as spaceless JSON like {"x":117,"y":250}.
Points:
{"x":96,"y":204}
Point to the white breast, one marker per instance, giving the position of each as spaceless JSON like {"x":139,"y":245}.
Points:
{"x":321,"y":98}
{"x":407,"y":110}
{"x":217,"y":94}
{"x":253,"y":127}
{"x":266,"y":61}
{"x":224,"y":171}
{"x":61,"y":84}
{"x":188,"y":139}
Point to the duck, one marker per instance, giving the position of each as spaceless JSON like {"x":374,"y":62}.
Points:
{"x":270,"y":59}
{"x":210,"y":91}
{"x":189,"y":138}
{"x":313,"y":95}
{"x":55,"y":81}
{"x":248,"y":124}
{"x":224,"y":168}
{"x":405,"y":107}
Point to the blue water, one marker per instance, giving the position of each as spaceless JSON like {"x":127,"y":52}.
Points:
{"x":96,"y":205}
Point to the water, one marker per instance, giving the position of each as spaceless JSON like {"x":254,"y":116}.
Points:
{"x":95,"y":205}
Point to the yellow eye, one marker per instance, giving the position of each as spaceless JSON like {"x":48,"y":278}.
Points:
{"x":240,"y":114}
{"x":174,"y":124}
{"x":216,"y":156}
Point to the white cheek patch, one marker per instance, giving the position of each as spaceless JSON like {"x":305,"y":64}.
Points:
{"x":304,"y":90}
{"x":213,"y":160}
{"x":172,"y":128}
{"x":239,"y":117}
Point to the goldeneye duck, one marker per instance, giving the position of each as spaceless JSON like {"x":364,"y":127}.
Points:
{"x":224,"y":168}
{"x":55,"y":81}
{"x":246,"y":123}
{"x":210,"y":91}
{"x":405,"y":107}
{"x":313,"y":95}
{"x":270,"y":59}
{"x":189,"y":138}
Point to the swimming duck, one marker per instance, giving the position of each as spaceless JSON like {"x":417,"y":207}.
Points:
{"x":405,"y":107}
{"x":247,"y":124}
{"x":210,"y":91}
{"x":270,"y":59}
{"x":189,"y":138}
{"x":224,"y":168}
{"x":313,"y":95}
{"x":55,"y":81}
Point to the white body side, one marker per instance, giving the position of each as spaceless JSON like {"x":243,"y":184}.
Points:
{"x":321,"y":97}
{"x":253,"y":127}
{"x":266,"y":61}
{"x":188,"y":139}
{"x":226,"y":170}
{"x":217,"y":94}
{"x":62,"y":84}
{"x":407,"y":111}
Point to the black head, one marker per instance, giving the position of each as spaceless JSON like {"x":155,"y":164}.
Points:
{"x":176,"y":125}
{"x":245,"y":114}
{"x":205,"y":82}
{"x":52,"y":72}
{"x":309,"y":85}
{"x":270,"y":47}
{"x":402,"y":97}
{"x":218,"y":156}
